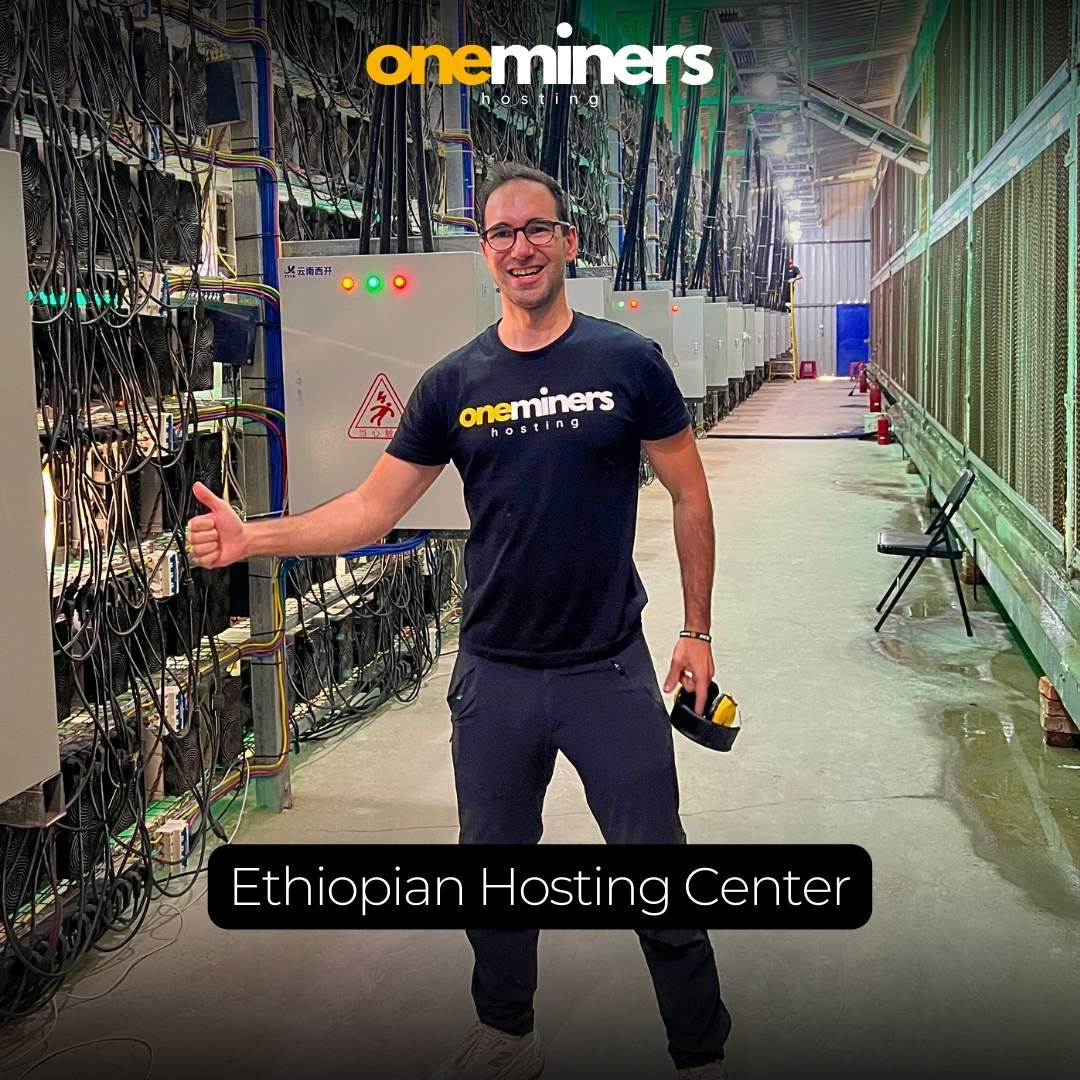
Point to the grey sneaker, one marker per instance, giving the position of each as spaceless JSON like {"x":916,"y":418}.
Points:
{"x":715,"y":1070}
{"x":490,"y":1054}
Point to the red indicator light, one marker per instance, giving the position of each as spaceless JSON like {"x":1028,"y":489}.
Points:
{"x":634,"y":303}
{"x":400,"y":281}
{"x":348,"y":283}
{"x":674,"y":308}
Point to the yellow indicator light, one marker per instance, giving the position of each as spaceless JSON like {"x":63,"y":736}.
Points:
{"x":400,"y":281}
{"x":348,"y":283}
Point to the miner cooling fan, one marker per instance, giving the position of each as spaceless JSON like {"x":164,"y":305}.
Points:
{"x":10,"y":43}
{"x":59,"y":51}
{"x":196,"y":332}
{"x":159,"y":199}
{"x":311,"y":136}
{"x":234,"y":719}
{"x":152,"y":356}
{"x":21,"y":867}
{"x":188,"y":227}
{"x":100,"y":73}
{"x":152,"y":69}
{"x":36,"y":200}
{"x":284,"y":127}
{"x":189,"y":93}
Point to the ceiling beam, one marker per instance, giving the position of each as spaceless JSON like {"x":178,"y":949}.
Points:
{"x":855,"y":58}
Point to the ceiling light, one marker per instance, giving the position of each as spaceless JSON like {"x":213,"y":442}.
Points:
{"x":781,"y":145}
{"x":786,"y":183}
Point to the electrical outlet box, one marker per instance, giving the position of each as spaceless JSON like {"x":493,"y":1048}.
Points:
{"x":648,"y":311}
{"x":688,"y":330}
{"x":358,"y":332}
{"x":176,"y":711}
{"x":173,"y":843}
{"x":589,"y":295}
{"x":716,"y":344}
{"x":165,"y":580}
{"x":29,"y":748}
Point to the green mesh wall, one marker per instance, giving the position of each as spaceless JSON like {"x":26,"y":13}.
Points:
{"x":975,"y":329}
{"x":943,"y":388}
{"x":949,"y":142}
{"x":1019,"y":44}
{"x":1019,"y":347}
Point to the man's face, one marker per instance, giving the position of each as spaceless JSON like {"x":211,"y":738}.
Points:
{"x":529,"y":275}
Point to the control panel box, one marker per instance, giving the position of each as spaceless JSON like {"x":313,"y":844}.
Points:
{"x":589,"y":295}
{"x":688,"y":330}
{"x":29,"y":746}
{"x":716,"y":343}
{"x":648,"y":311}
{"x":358,"y":332}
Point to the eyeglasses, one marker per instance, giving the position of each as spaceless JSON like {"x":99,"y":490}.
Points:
{"x":539,"y":232}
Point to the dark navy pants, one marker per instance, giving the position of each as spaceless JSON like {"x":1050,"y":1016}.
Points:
{"x":608,"y":718}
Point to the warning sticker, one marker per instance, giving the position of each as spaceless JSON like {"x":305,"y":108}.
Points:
{"x":380,"y":414}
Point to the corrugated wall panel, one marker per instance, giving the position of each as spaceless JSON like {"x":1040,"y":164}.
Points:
{"x":835,"y":263}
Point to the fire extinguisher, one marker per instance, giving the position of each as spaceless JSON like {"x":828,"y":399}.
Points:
{"x":862,"y":379}
{"x":884,"y":436}
{"x":875,"y":398}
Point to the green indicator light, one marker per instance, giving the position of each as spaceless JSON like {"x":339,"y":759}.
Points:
{"x":622,"y":303}
{"x":373,"y":283}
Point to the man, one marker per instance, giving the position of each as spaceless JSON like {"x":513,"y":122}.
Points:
{"x":792,"y":274}
{"x":544,"y":415}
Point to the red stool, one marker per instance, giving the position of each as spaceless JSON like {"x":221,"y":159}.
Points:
{"x":807,"y":369}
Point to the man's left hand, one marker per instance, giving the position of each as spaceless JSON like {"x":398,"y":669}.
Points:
{"x":692,"y":666}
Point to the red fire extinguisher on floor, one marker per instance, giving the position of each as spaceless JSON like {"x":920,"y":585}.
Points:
{"x":862,"y":379}
{"x":884,"y":435}
{"x":875,"y":398}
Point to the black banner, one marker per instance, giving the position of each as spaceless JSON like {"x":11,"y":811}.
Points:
{"x":550,"y":886}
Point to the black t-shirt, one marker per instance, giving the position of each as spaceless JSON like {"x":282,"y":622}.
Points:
{"x":548,"y":446}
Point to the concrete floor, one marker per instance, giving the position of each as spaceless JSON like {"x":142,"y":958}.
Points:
{"x":918,"y":744}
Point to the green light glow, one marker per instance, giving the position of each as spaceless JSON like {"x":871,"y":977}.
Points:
{"x":373,"y":283}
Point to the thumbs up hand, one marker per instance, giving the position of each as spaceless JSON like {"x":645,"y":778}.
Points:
{"x":216,"y":538}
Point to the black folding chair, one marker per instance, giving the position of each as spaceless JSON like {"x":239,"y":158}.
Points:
{"x":935,"y":543}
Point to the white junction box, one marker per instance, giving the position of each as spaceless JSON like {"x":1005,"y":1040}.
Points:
{"x":648,"y":311}
{"x":689,"y":334}
{"x":358,"y":331}
{"x":736,"y":344}
{"x":589,"y":295}
{"x":29,"y":747}
{"x":716,"y":343}
{"x":759,"y":337}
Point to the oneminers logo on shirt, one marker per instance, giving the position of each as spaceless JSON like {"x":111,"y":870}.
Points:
{"x":536,"y":413}
{"x":560,"y":65}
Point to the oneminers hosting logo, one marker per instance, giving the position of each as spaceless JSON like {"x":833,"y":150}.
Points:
{"x":559,"y":65}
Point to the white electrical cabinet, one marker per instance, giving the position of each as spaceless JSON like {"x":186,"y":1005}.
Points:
{"x":589,"y":295}
{"x":716,"y":344}
{"x":759,"y":337}
{"x":749,"y":340}
{"x":29,"y":745}
{"x":736,"y":344}
{"x":648,"y":311}
{"x":358,"y":331}
{"x":689,"y":332}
